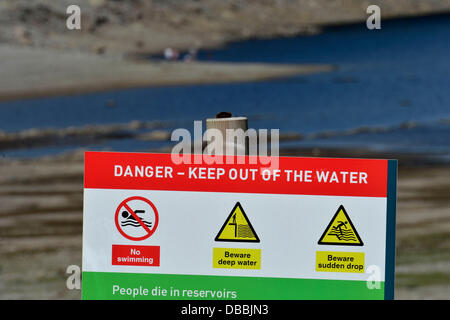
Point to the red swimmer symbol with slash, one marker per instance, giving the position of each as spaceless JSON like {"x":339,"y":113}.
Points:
{"x":132,"y":219}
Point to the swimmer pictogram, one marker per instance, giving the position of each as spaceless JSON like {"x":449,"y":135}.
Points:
{"x":136,"y":218}
{"x":130,"y":220}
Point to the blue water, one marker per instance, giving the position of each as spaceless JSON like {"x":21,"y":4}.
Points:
{"x":383,"y":78}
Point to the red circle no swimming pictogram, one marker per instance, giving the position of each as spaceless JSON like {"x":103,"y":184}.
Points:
{"x":138,"y":222}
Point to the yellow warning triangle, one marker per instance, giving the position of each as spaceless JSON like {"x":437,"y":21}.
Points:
{"x":340,"y":231}
{"x":237,"y":227}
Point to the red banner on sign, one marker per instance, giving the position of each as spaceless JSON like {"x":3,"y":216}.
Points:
{"x":291,"y":175}
{"x":130,"y":255}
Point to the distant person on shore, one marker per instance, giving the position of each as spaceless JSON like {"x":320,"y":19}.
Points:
{"x":171,"y":54}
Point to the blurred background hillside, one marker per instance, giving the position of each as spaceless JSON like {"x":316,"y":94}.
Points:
{"x":140,"y":25}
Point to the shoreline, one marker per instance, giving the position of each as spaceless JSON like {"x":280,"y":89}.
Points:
{"x":147,"y":133}
{"x":59,"y":74}
{"x":106,"y":55}
{"x":406,"y":161}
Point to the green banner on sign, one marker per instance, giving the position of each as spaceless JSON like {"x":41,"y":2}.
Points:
{"x":109,"y":285}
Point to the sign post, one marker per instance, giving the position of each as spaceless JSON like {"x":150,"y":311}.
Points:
{"x":312,"y":228}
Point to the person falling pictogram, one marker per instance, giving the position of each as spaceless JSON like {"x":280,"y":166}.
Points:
{"x":340,"y":225}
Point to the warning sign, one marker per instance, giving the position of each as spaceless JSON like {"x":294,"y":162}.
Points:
{"x":157,"y":229}
{"x":340,"y":261}
{"x":237,"y":227}
{"x":136,"y":218}
{"x":126,"y":255}
{"x":340,"y":231}
{"x":233,"y":258}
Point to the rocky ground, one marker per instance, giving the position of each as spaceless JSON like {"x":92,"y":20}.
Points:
{"x":125,"y":26}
